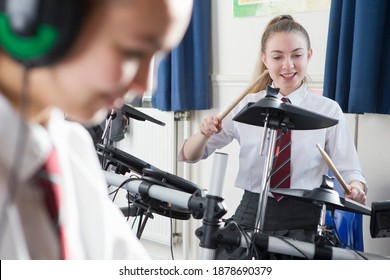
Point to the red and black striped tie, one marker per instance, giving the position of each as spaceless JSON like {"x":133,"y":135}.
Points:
{"x":49,"y":183}
{"x":281,"y":171}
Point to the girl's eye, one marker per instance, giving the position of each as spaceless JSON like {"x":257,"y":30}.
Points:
{"x":276,"y":58}
{"x":130,"y":55}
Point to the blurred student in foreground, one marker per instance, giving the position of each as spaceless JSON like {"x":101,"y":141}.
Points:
{"x":77,"y":57}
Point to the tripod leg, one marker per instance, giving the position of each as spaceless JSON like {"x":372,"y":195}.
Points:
{"x":141,"y":227}
{"x":139,"y":231}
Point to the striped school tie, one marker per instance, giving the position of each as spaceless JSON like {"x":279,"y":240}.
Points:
{"x":281,"y":171}
{"x":49,"y":183}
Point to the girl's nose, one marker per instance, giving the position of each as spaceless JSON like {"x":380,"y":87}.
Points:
{"x":288,"y":64}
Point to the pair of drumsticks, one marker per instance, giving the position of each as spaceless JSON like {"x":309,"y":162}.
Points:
{"x":324,"y":155}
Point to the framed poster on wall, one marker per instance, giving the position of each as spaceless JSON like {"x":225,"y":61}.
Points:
{"x":248,"y":8}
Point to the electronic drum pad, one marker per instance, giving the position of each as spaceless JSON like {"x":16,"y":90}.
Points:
{"x":150,"y":174}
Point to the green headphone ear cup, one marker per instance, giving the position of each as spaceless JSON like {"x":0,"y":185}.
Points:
{"x":55,"y":27}
{"x":24,"y":49}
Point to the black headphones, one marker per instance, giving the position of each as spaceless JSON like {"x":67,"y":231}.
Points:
{"x":39,"y":32}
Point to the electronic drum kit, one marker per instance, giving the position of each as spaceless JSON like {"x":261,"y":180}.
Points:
{"x":156,"y":191}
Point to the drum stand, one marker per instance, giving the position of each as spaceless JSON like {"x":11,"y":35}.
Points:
{"x":106,"y":136}
{"x":323,"y":236}
{"x":322,"y":230}
{"x":144,"y":215}
{"x":213,"y":211}
{"x":272,"y":123}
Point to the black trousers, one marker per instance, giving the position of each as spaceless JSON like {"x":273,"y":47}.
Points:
{"x":286,"y":214}
{"x":287,"y":218}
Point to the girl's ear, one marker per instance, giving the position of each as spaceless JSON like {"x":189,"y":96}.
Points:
{"x":309,"y":54}
{"x":263,"y":59}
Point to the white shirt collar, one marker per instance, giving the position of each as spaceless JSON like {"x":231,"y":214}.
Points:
{"x":296,"y":96}
{"x":24,"y":145}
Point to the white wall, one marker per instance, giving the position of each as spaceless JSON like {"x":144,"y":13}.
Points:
{"x":235,"y":46}
{"x":236,"y":42}
{"x":373,"y":140}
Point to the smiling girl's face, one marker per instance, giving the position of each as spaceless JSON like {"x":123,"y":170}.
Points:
{"x":286,"y":56}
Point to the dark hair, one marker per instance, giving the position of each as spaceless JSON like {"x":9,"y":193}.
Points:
{"x":279,"y":24}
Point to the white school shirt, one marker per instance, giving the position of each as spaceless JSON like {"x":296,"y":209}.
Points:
{"x":307,"y":164}
{"x":94,"y":227}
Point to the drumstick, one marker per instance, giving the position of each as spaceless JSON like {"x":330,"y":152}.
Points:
{"x":234,"y":104}
{"x":332,"y":167}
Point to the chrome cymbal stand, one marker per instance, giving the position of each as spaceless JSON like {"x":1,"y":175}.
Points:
{"x":106,"y":136}
{"x":273,"y":123}
{"x":265,"y":184}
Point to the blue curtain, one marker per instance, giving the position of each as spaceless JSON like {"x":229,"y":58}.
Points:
{"x":183,"y":76}
{"x":357,"y":69}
